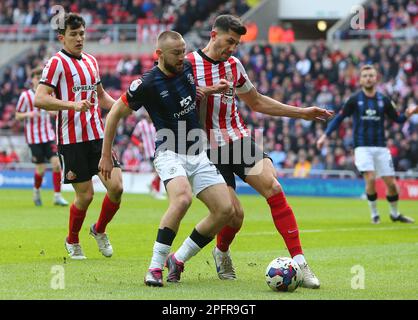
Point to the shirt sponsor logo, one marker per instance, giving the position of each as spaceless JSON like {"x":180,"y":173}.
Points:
{"x":89,"y":87}
{"x":185,"y":103}
{"x":371,"y":115}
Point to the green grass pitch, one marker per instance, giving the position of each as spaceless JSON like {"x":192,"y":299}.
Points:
{"x":336,"y":236}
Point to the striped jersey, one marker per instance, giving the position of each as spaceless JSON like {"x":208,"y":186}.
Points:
{"x":368,"y":118}
{"x":75,"y":79}
{"x":146,"y":132}
{"x":38,"y":129}
{"x":218,"y":113}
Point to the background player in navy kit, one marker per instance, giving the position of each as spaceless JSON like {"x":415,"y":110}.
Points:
{"x":168,"y":93}
{"x":368,"y":109}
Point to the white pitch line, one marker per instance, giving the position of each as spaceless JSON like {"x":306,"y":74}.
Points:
{"x":334,"y":230}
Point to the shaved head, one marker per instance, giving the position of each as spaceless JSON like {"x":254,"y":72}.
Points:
{"x":171,"y":49}
{"x":166,"y":39}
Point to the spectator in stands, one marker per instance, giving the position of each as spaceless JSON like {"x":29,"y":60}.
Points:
{"x":288,"y":34}
{"x":275,"y":33}
{"x":303,"y":165}
{"x":278,"y":156}
{"x":252,"y":31}
{"x":110,"y":79}
{"x":126,"y":65}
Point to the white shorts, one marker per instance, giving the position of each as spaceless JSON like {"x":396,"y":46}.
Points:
{"x":376,"y":159}
{"x":200,"y":171}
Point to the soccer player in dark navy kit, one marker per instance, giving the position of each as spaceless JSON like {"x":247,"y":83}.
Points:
{"x":372,"y":158}
{"x":168,"y":92}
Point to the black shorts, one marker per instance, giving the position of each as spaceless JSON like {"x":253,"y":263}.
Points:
{"x":43,"y":152}
{"x":237,"y":157}
{"x":80,"y":161}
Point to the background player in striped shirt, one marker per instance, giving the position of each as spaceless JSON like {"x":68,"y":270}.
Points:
{"x":41,"y":140}
{"x":371,"y":156}
{"x":145,"y":131}
{"x":74,"y":78}
{"x":231,"y":142}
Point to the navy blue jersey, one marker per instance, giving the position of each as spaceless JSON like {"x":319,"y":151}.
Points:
{"x":171,"y":104}
{"x":368,"y":118}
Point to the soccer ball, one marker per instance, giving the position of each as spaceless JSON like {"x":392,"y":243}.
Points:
{"x":283,"y":274}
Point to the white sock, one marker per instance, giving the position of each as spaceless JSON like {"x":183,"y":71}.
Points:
{"x":394,"y":209}
{"x":373,"y":208}
{"x":159,"y":255}
{"x":300,"y":259}
{"x":217,"y":251}
{"x":57,"y":194}
{"x":188,"y":249}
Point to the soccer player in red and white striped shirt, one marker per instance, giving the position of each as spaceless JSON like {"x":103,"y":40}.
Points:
{"x":74,"y":78}
{"x":41,"y":140}
{"x":145,"y":131}
{"x":215,"y":66}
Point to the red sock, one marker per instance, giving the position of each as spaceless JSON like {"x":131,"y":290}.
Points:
{"x":56,"y":179}
{"x":225,"y":238}
{"x":76,"y":221}
{"x":108,"y":211}
{"x":156,"y":183}
{"x":38,"y":180}
{"x":285,"y":223}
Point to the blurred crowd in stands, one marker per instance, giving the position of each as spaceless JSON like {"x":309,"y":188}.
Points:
{"x":315,"y":76}
{"x":390,"y":17}
{"x":318,"y":76}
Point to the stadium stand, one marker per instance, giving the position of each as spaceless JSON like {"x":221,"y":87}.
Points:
{"x":387,"y":19}
{"x":318,"y":75}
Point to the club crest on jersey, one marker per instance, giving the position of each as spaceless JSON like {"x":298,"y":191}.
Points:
{"x":190,"y":78}
{"x":135,"y":84}
{"x":89,"y":87}
{"x":71,"y":175}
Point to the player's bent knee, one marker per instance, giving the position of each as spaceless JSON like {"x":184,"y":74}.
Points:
{"x":85,"y":198}
{"x":183,"y":202}
{"x":226,"y":212}
{"x":117,"y":190}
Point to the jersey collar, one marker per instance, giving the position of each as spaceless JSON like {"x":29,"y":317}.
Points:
{"x":71,"y":55}
{"x":204,"y":56}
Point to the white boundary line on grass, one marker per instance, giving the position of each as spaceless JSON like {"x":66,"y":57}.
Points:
{"x":335,"y":230}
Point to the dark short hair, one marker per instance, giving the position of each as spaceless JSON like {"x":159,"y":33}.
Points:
{"x":73,"y":21}
{"x":367,"y":67}
{"x":36,"y":72}
{"x":228,"y":22}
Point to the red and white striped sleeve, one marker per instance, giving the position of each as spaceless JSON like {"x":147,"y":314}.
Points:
{"x":243,"y":83}
{"x":22,"y":104}
{"x":52,"y":72}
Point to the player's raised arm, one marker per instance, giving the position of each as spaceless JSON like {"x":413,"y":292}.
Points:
{"x":264,"y":104}
{"x":118,"y":111}
{"x":45,"y":100}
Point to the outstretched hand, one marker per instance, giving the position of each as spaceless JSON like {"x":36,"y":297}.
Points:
{"x":316,"y":113}
{"x":411,"y":110}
